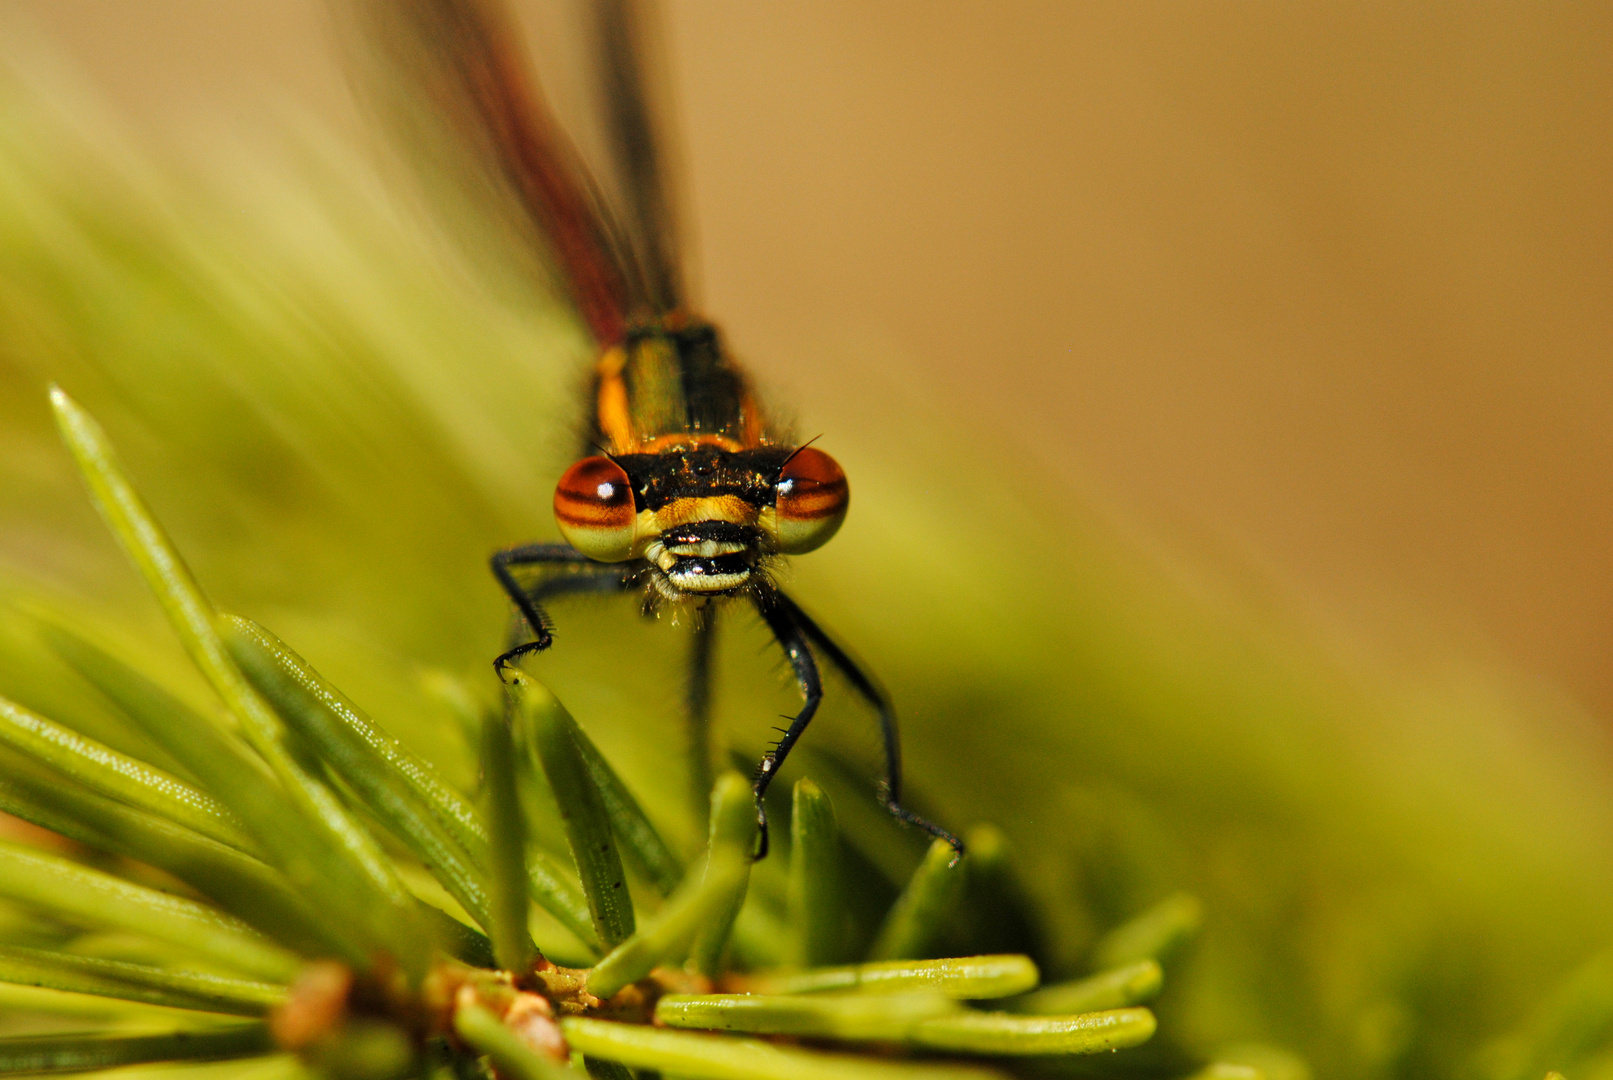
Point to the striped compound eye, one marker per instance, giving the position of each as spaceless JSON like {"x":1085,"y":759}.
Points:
{"x":811,"y":502}
{"x":593,"y":504}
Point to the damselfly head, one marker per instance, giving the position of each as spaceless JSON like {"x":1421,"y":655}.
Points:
{"x":705,"y":516}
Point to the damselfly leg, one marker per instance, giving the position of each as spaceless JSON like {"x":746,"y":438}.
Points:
{"x":796,"y":633}
{"x":702,"y":751}
{"x":787,"y":631}
{"x":569,"y":573}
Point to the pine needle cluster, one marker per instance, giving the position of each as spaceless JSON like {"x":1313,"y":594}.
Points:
{"x":284,"y":918}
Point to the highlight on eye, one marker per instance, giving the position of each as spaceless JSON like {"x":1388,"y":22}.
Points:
{"x":593,"y":505}
{"x":811,"y":503}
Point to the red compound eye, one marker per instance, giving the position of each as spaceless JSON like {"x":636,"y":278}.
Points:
{"x":811,"y":502}
{"x":593,"y":505}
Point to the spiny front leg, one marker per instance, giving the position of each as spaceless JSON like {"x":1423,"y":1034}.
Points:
{"x":582,"y":575}
{"x":870,"y":690}
{"x":780,"y":619}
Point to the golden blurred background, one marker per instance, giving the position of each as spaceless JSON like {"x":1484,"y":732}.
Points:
{"x":1310,"y":302}
{"x":1326,"y":289}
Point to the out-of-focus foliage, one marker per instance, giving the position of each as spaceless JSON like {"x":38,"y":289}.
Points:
{"x":339,"y":415}
{"x":284,"y":905}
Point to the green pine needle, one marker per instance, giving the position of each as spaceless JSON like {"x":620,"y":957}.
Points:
{"x":703,"y":900}
{"x":78,"y":1053}
{"x":550,"y":731}
{"x":77,"y":893}
{"x":507,"y":915}
{"x":394,"y":787}
{"x":714,"y":1057}
{"x":816,"y":907}
{"x":363,"y":882}
{"x":887,"y":1018}
{"x":1152,"y":935}
{"x":915,"y":920}
{"x":966,"y":977}
{"x":733,"y":830}
{"x":138,"y":982}
{"x":102,"y":769}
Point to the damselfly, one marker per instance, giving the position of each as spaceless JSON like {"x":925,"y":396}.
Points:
{"x":686,"y":494}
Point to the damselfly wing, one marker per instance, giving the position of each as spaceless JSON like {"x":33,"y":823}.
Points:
{"x":685,"y":493}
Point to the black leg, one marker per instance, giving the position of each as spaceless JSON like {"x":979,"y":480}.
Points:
{"x":584,"y":576}
{"x":702,"y":757}
{"x":574,"y":580}
{"x":781,"y":620}
{"x":865,"y":685}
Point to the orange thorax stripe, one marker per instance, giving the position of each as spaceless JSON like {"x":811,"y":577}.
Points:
{"x":652,"y":418}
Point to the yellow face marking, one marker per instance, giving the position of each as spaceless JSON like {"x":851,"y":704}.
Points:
{"x":729,"y":508}
{"x":650,"y":524}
